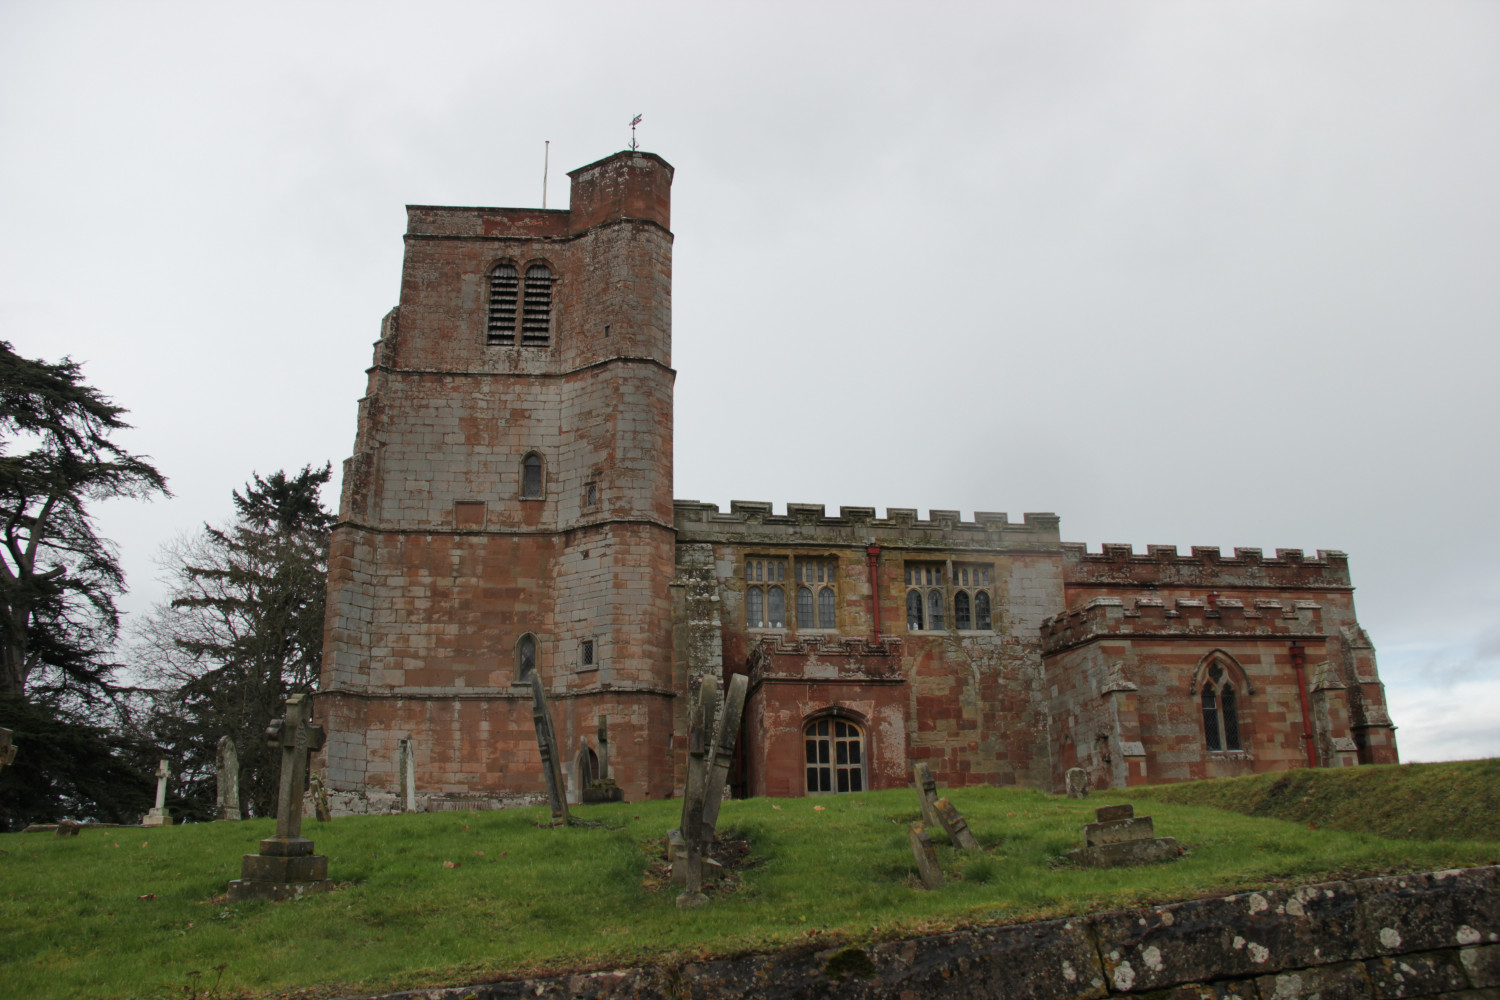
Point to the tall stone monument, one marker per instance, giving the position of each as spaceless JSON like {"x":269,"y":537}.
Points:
{"x":286,"y":866}
{"x":546,"y":741}
{"x":715,"y":728}
{"x":227,"y":770}
{"x":158,"y":816}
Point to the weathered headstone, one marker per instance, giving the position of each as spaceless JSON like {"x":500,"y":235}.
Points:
{"x":158,"y":816}
{"x":320,"y":798}
{"x":954,"y":825}
{"x":602,"y":738}
{"x":1119,"y":837}
{"x":925,"y":855}
{"x":406,"y":773}
{"x":926,"y":791}
{"x":227,"y":770}
{"x":708,"y":768}
{"x":286,"y":866}
{"x":585,"y":764}
{"x":7,"y":748}
{"x":1078,"y":783}
{"x":68,"y":828}
{"x":546,"y":741}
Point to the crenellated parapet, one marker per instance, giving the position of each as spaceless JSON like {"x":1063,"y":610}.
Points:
{"x":1110,"y":616}
{"x":753,"y":523}
{"x":1204,"y":566}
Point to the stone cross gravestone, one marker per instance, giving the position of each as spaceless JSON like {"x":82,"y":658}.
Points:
{"x":546,"y":741}
{"x":7,"y":748}
{"x":286,"y":866}
{"x":227,"y":770}
{"x":955,"y":826}
{"x":158,"y":816}
{"x":927,"y":792}
{"x":925,"y":855}
{"x":1078,"y":783}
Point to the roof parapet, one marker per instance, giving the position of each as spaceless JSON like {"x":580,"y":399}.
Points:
{"x":755,"y":521}
{"x":1227,"y":617}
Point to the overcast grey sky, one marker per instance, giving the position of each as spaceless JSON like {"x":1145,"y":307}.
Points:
{"x":1184,"y":273}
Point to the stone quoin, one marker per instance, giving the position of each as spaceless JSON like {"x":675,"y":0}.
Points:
{"x":508,"y":509}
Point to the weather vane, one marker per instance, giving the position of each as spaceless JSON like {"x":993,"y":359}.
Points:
{"x":633,"y":123}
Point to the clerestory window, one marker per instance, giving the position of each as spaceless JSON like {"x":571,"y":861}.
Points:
{"x":932,"y":588}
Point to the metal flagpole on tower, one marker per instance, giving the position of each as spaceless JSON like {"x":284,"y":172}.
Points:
{"x":546,"y":156}
{"x":633,"y":123}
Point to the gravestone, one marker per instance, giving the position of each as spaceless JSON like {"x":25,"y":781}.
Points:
{"x":406,"y":774}
{"x":1078,"y":783}
{"x":227,"y":770}
{"x":1119,"y":837}
{"x":286,"y":866}
{"x":158,"y":816}
{"x":708,"y":770}
{"x":602,"y":788}
{"x":7,"y":748}
{"x":954,"y":825}
{"x":925,"y":855}
{"x":320,"y":799}
{"x":546,"y":741}
{"x":927,"y":792}
{"x":602,"y":738}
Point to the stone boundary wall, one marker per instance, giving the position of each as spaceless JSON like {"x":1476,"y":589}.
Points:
{"x":1391,"y":938}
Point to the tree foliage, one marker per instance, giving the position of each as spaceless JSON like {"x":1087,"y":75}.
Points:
{"x":242,"y":632}
{"x":58,"y":578}
{"x":58,"y":584}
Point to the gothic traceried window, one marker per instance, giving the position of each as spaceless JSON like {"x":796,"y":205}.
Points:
{"x":813,"y":599}
{"x":1220,"y":707}
{"x":933,"y":588}
{"x":825,"y":608}
{"x":914,"y":610}
{"x":961,"y":619}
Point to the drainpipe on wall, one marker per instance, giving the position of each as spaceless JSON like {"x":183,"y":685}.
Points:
{"x":1298,"y":661}
{"x":872,"y":553}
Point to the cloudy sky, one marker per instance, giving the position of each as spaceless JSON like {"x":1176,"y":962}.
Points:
{"x":1184,"y":273}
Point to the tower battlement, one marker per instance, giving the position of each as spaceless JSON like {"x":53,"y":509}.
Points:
{"x":1206,"y":566}
{"x":754,"y":521}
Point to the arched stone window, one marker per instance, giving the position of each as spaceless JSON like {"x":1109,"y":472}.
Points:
{"x":536,"y":307}
{"x":825,"y":608}
{"x":531,"y":477}
{"x":834,"y":753}
{"x":935,"y":610}
{"x":755,"y":607}
{"x":775,"y":607}
{"x":914,"y":610}
{"x":982,"y":610}
{"x":525,"y":657}
{"x":961,"y":620}
{"x":1220,"y":708}
{"x":805,"y":608}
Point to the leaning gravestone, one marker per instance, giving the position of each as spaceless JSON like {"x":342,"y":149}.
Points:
{"x":320,"y":798}
{"x":406,"y":767}
{"x":955,"y":826}
{"x":227,"y":769}
{"x":926,"y":856}
{"x":708,"y":768}
{"x":158,"y":816}
{"x":1078,"y":783}
{"x":1119,"y":837}
{"x":546,"y":741}
{"x":927,"y":792}
{"x":286,"y":866}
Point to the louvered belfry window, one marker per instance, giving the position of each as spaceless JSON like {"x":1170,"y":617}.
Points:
{"x":536,"y":308}
{"x":504,"y":284}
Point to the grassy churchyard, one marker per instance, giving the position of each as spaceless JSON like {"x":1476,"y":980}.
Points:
{"x":450,"y":898}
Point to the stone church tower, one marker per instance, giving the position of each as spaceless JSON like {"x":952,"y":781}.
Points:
{"x":508,"y":505}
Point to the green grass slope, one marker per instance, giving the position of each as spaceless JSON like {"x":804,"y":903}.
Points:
{"x":450,"y":898}
{"x":1459,"y":800}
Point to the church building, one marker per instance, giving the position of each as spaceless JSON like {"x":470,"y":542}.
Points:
{"x":508,"y":508}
